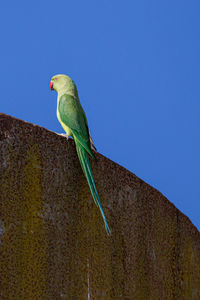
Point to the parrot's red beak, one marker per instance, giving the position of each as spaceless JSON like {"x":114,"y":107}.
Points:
{"x":51,"y":86}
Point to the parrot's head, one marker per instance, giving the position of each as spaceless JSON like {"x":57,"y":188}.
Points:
{"x":63,"y":82}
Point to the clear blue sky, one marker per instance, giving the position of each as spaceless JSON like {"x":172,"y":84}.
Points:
{"x":137,"y":68}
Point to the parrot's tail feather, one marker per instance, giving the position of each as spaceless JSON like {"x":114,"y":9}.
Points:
{"x":85,"y":164}
{"x":97,"y":199}
{"x":84,"y":168}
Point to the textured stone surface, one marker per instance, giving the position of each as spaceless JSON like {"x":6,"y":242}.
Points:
{"x":53,"y":243}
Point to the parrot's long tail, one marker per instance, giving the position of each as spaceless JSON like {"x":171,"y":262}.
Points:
{"x":86,"y":167}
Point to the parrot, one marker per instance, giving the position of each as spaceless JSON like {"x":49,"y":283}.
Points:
{"x":73,"y":120}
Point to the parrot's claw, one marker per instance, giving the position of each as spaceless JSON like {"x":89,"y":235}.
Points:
{"x":64,"y":134}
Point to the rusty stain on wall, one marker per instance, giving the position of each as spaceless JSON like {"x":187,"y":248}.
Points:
{"x":53,"y":243}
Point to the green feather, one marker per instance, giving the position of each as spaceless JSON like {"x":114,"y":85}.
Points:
{"x":72,"y":114}
{"x":86,"y":167}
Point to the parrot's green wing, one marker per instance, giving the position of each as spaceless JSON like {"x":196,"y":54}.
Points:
{"x":73,"y":115}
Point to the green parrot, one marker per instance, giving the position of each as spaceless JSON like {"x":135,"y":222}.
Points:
{"x":73,"y":119}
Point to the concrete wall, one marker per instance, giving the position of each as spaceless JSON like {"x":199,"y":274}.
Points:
{"x":53,"y":243}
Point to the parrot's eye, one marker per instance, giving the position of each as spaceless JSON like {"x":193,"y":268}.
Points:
{"x":55,"y":78}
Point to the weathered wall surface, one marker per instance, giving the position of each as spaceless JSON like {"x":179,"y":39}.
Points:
{"x":53,"y":243}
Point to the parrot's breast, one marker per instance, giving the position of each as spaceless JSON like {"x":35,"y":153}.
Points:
{"x":65,"y":127}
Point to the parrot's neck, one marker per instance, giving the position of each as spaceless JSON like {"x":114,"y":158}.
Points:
{"x":69,"y":90}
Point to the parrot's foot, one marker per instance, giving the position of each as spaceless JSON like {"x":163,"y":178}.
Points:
{"x":64,"y":134}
